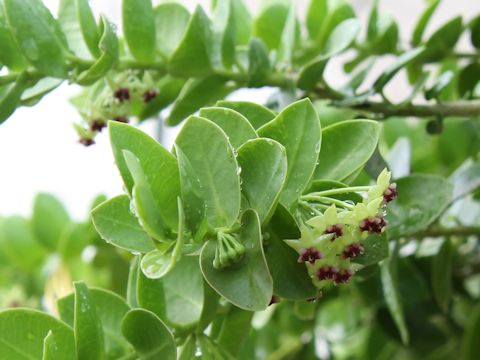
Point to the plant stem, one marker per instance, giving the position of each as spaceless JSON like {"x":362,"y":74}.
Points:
{"x":324,"y":199}
{"x":344,"y":190}
{"x":437,"y":231}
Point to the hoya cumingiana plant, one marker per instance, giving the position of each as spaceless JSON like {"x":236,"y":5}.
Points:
{"x":333,"y":222}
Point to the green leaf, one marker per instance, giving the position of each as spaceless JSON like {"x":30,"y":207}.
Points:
{"x":210,"y":307}
{"x":340,"y":12}
{"x":376,"y":249}
{"x":89,"y":341}
{"x":88,"y":26}
{"x":235,"y":330}
{"x":264,"y":169}
{"x":392,"y":296}
{"x":108,"y":47}
{"x":195,"y":94}
{"x":18,"y":243}
{"x":340,"y":39}
{"x":422,"y":23}
{"x":49,"y":219}
{"x":246,"y":284}
{"x":118,"y":226}
{"x":11,"y":98}
{"x":139,"y":29}
{"x":149,"y":335}
{"x":158,"y":164}
{"x":51,"y":347}
{"x":10,"y":54}
{"x":38,"y":36}
{"x":471,"y":335}
{"x":258,"y":115}
{"x":237,"y":128}
{"x":468,"y":80}
{"x":188,"y":349}
{"x":34,"y":94}
{"x":171,"y":20}
{"x":475,"y":32}
{"x":243,"y":22}
{"x":258,"y":62}
{"x":402,"y":61}
{"x":421,"y":199}
{"x":146,"y":207}
{"x":22,"y":333}
{"x":297,"y":128}
{"x":287,"y":39}
{"x":73,"y":240}
{"x":192,"y":57}
{"x":157,"y":263}
{"x":270,"y":23}
{"x":290,"y":278}
{"x":224,"y":29}
{"x":346,"y":146}
{"x":209,"y":174}
{"x":132,"y":285}
{"x":68,"y":21}
{"x":316,"y":14}
{"x":443,"y":40}
{"x":440,"y":84}
{"x":442,"y":275}
{"x":110,"y":309}
{"x":465,"y":180}
{"x":183,"y":289}
{"x":168,"y":89}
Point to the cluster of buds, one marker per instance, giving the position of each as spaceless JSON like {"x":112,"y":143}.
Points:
{"x":113,"y":100}
{"x":228,"y":251}
{"x":331,"y":240}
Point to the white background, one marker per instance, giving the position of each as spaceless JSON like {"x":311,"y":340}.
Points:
{"x":39,"y":149}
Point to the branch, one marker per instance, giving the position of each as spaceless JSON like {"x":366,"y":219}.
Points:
{"x":438,"y":231}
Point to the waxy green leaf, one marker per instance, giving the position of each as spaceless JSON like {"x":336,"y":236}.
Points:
{"x":11,"y":98}
{"x":171,"y":20}
{"x":236,"y":126}
{"x":470,"y":337}
{"x":192,"y":57}
{"x":422,"y":198}
{"x":316,"y":14}
{"x":69,"y":23}
{"x":22,"y":334}
{"x":88,"y":26}
{"x":270,"y":23}
{"x":441,"y":278}
{"x":423,"y":22}
{"x":258,"y":115}
{"x":195,"y":94}
{"x":443,"y":40}
{"x":297,"y":128}
{"x":110,"y":309}
{"x":224,"y":30}
{"x":49,"y":219}
{"x":264,"y":170}
{"x":108,"y":47}
{"x":139,"y":29}
{"x":246,"y":284}
{"x":118,"y":226}
{"x":346,"y":146}
{"x":89,"y":341}
{"x":235,"y":330}
{"x":158,"y":165}
{"x":209,"y":174}
{"x":258,"y":62}
{"x":148,"y":335}
{"x":376,"y":249}
{"x":10,"y":54}
{"x":38,"y":35}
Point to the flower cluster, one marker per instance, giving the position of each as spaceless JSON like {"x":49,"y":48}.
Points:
{"x":332,"y":239}
{"x":113,"y":100}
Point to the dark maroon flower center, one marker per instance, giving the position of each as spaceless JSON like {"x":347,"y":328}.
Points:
{"x":326,"y":273}
{"x":149,"y":95}
{"x":343,"y":276}
{"x":336,"y":230}
{"x":352,"y":250}
{"x":373,"y":224}
{"x":97,"y":125}
{"x":311,"y":254}
{"x":86,"y":142}
{"x":122,"y":119}
{"x":274,"y":300}
{"x":391,"y":193}
{"x":122,"y":94}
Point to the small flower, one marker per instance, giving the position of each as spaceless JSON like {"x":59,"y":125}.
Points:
{"x":310,"y":255}
{"x":390,"y":193}
{"x":149,"y":95}
{"x":86,"y":141}
{"x":326,"y":273}
{"x":373,"y":224}
{"x":122,"y":94}
{"x":383,"y":181}
{"x":343,"y":276}
{"x":336,"y":230}
{"x":353,"y":250}
{"x":97,"y":125}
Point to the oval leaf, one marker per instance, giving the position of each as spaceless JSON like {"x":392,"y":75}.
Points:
{"x":171,"y":20}
{"x":258,"y":115}
{"x":247,"y":284}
